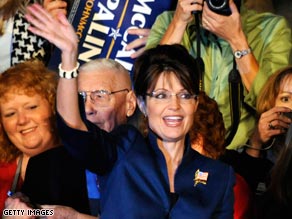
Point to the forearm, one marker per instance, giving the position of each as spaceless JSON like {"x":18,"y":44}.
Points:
{"x":248,"y":68}
{"x":86,"y":216}
{"x":67,"y":103}
{"x":182,"y":16}
{"x":67,"y":93}
{"x":254,"y":148}
{"x":174,"y":32}
{"x":247,"y":65}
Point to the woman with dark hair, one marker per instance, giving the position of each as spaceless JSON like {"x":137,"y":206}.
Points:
{"x":157,"y":177}
{"x":264,"y":163}
{"x":272,"y":141}
{"x":237,"y":46}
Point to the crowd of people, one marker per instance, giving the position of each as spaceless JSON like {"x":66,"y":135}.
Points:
{"x":199,"y":127}
{"x":247,"y":52}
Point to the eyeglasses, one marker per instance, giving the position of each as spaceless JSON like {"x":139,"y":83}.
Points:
{"x":100,"y":97}
{"x":165,"y":96}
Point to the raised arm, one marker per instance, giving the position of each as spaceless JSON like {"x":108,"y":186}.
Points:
{"x":60,"y":32}
{"x":182,"y":16}
{"x":98,"y":152}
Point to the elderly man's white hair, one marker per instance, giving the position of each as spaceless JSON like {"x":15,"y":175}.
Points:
{"x":104,"y":64}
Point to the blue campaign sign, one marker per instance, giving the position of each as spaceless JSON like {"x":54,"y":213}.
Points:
{"x":102,"y":26}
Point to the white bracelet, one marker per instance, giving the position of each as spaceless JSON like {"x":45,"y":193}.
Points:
{"x":68,"y":74}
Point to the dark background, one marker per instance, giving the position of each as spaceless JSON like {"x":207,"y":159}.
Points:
{"x":284,"y":7}
{"x":281,"y":7}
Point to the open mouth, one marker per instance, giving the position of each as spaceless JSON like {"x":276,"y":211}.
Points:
{"x":173,"y":120}
{"x":28,"y":130}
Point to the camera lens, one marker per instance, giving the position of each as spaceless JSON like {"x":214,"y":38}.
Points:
{"x":218,"y":4}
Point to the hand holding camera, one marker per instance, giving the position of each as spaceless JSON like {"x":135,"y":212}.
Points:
{"x":228,"y":28}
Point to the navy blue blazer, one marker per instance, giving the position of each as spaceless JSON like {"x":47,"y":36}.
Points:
{"x":134,"y":181}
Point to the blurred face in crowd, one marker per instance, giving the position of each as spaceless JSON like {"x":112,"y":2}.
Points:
{"x":170,"y":108}
{"x":27,"y":121}
{"x":106,"y":110}
{"x":284,"y":97}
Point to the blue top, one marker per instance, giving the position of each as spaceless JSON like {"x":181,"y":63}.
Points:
{"x":93,"y":192}
{"x":134,"y":181}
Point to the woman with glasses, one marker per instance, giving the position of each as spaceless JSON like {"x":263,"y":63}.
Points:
{"x":159,"y":176}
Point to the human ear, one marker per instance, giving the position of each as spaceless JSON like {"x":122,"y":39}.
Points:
{"x":131,"y":103}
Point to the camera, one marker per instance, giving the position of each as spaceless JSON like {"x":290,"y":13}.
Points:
{"x":222,"y":6}
{"x":219,"y":6}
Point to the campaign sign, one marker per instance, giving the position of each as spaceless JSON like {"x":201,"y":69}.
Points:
{"x":102,"y":27}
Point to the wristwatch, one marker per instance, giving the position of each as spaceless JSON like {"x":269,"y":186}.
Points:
{"x":239,"y":53}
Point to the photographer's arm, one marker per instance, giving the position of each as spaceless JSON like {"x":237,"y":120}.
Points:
{"x":182,"y":16}
{"x":220,"y":25}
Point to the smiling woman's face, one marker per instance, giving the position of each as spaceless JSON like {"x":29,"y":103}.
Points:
{"x":171,"y":119}
{"x":27,"y":122}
